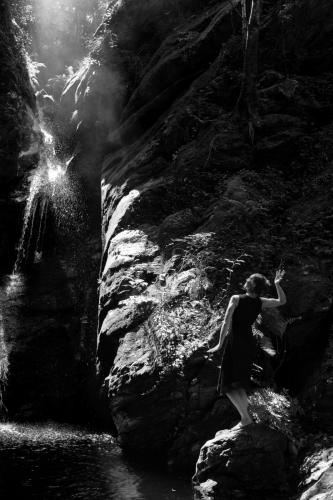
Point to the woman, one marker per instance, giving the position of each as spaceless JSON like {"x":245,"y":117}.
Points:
{"x":239,"y":352}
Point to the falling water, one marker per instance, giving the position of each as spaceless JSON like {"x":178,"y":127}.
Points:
{"x":3,"y":366}
{"x":46,"y":180}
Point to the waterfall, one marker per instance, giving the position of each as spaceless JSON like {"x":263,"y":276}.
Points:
{"x":3,"y":367}
{"x":46,"y":181}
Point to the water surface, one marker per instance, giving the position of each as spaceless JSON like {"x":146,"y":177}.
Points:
{"x":51,"y":461}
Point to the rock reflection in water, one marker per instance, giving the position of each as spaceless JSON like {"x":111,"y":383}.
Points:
{"x":50,"y":461}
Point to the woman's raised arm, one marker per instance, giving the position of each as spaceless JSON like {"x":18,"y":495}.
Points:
{"x":281,"y":300}
{"x":233,"y":302}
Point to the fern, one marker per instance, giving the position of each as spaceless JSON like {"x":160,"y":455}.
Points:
{"x":278,"y":411}
{"x":34,"y":68}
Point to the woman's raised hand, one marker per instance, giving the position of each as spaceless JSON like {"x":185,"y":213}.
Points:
{"x":279,"y":276}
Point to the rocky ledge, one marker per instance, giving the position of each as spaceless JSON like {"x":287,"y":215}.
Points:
{"x":248,"y":462}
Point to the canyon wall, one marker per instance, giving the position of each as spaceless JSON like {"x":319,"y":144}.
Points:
{"x":191,"y":205}
{"x":49,"y":302}
{"x":17,"y":104}
{"x":192,"y":202}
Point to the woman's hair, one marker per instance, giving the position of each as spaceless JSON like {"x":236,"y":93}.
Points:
{"x":256,"y":283}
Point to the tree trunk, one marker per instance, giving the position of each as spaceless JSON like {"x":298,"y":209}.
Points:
{"x":247,"y":102}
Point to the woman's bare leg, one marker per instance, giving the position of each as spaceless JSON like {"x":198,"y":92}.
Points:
{"x":238,"y":397}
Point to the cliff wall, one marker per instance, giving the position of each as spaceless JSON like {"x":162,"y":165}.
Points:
{"x":185,"y":194}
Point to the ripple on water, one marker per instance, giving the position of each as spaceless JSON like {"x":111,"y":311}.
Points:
{"x":51,"y":461}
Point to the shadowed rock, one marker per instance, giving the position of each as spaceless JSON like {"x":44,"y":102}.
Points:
{"x":243,"y":463}
{"x":177,"y":167}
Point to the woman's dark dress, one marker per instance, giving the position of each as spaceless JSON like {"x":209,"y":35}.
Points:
{"x":239,"y":347}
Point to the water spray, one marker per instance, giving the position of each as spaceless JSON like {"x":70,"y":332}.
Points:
{"x":48,"y":177}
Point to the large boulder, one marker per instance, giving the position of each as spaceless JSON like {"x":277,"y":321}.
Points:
{"x":247,"y":463}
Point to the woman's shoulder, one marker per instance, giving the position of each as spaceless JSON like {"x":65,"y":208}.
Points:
{"x":234,"y":299}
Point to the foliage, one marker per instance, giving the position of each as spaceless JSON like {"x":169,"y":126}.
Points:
{"x":34,"y":68}
{"x":192,"y":252}
{"x":184,"y":317}
{"x":179,"y":330}
{"x":205,"y":253}
{"x":179,"y":322}
{"x":56,"y":84}
{"x":100,"y":46}
{"x":59,"y":30}
{"x":278,"y":411}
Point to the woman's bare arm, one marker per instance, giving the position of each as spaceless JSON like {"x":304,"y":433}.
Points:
{"x":281,"y":300}
{"x":233,"y":302}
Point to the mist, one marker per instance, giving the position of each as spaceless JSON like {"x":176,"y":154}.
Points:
{"x":57,"y":33}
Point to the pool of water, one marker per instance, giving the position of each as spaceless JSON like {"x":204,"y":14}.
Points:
{"x":51,"y":461}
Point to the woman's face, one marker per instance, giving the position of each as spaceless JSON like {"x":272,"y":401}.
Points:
{"x":247,"y":285}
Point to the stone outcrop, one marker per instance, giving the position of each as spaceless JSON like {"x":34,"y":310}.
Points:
{"x":17,"y":107}
{"x":185,"y":192}
{"x":242,"y":463}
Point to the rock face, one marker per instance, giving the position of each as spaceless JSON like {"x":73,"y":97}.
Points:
{"x":185,"y":193}
{"x":15,"y":98}
{"x":17,"y":106}
{"x":248,"y":463}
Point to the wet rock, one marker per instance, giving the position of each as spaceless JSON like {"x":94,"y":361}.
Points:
{"x":242,"y":463}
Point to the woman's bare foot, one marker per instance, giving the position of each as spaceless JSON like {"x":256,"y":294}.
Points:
{"x":242,"y":423}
